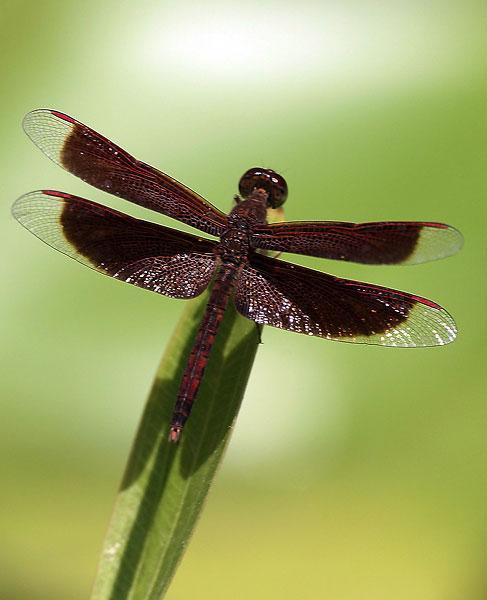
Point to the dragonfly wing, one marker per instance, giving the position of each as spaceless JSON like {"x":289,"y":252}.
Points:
{"x":287,"y":296}
{"x":144,"y":254}
{"x":386,"y":242}
{"x":101,"y":163}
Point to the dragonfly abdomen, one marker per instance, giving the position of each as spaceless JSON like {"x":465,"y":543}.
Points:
{"x":200,"y":353}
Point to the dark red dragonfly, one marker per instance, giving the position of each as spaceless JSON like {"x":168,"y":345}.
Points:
{"x":264,"y":289}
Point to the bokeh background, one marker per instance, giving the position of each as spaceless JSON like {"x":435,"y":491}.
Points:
{"x":354,"y":472}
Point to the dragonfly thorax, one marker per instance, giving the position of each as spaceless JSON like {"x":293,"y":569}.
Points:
{"x":235,"y":243}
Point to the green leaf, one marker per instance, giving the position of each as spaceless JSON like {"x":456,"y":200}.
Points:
{"x":165,"y":484}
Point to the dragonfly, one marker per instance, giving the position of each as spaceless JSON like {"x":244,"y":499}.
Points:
{"x":238,"y":266}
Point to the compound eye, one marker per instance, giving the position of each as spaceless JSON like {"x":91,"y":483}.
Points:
{"x":278,"y":195}
{"x":249,"y":181}
{"x":267,"y":179}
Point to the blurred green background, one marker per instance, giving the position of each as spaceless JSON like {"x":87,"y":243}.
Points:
{"x":354,"y":472}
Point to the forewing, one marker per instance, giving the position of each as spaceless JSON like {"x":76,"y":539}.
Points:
{"x":150,"y":256}
{"x":98,"y":161}
{"x":386,"y":242}
{"x":287,"y":296}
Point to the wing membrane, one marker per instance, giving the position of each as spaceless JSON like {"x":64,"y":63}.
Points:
{"x":386,"y":242}
{"x":144,"y":254}
{"x":287,"y":296}
{"x":98,"y":161}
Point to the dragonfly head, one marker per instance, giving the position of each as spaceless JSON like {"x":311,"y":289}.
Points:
{"x":266,"y":179}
